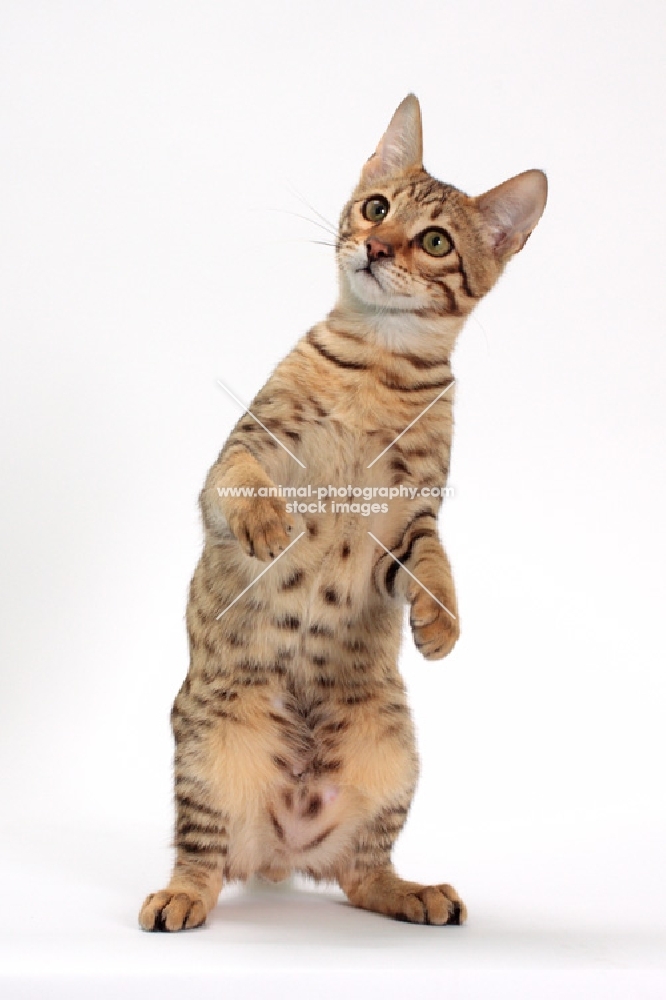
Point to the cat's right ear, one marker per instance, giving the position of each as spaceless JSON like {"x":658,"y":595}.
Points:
{"x":400,"y":149}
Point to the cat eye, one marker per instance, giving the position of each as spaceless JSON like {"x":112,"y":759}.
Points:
{"x":436,"y":242}
{"x":375,"y":209}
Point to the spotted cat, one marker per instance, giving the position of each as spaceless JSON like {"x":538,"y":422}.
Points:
{"x":294,"y":741}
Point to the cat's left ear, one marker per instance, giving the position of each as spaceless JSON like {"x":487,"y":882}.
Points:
{"x":400,"y":149}
{"x":512,"y":210}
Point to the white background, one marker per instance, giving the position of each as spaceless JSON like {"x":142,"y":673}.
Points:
{"x":149,"y":155}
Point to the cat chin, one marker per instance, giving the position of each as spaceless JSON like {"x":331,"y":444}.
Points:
{"x":367,"y":293}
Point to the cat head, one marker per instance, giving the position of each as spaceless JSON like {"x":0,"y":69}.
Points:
{"x":410,"y":244}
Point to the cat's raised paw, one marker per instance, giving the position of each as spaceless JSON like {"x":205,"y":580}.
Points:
{"x":262,"y":526}
{"x":435,"y":627}
{"x":172,"y":911}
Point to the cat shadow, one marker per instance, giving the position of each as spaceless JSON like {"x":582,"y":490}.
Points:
{"x":123,"y":867}
{"x":296,"y":912}
{"x":112,"y":872}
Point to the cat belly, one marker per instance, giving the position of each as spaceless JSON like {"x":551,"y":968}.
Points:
{"x":297,"y":794}
{"x":307,"y":827}
{"x":300,"y":811}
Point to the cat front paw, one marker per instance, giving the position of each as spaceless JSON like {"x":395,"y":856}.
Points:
{"x":385,"y":892}
{"x":434,"y":623}
{"x":262,"y":526}
{"x":172,"y":911}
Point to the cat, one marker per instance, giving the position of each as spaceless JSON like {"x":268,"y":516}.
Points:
{"x":294,"y":742}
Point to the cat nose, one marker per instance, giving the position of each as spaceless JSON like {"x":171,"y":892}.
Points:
{"x":376,"y":250}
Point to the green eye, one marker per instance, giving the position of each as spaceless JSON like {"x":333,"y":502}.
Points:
{"x":436,"y":242}
{"x":375,"y":209}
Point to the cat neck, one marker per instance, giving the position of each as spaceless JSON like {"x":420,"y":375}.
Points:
{"x":428,"y":335}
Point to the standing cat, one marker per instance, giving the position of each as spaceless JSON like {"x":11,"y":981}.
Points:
{"x":294,"y":742}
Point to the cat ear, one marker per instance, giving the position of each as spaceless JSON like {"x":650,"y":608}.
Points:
{"x":400,"y":149}
{"x":512,"y":210}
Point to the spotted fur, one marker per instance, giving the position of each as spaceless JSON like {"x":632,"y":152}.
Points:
{"x":294,"y":741}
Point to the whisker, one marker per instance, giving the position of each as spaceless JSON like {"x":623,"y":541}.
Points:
{"x":297,"y":215}
{"x":307,"y":204}
{"x":295,"y":239}
{"x":483,"y":331}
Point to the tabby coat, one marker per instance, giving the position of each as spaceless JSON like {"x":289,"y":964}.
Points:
{"x":294,"y":742}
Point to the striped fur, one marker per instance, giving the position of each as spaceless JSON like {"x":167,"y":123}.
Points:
{"x":294,"y":742}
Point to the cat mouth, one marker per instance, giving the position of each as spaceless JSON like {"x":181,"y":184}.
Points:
{"x":368,"y":270}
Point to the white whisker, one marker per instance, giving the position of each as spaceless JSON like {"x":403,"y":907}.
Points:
{"x":307,"y":204}
{"x":296,"y":239}
{"x":313,"y":222}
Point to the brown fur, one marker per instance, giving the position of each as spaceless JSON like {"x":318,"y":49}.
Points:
{"x":294,"y":742}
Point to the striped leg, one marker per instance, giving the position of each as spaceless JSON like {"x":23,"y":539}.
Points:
{"x":370,"y":882}
{"x":427,"y":585}
{"x":201,"y":848}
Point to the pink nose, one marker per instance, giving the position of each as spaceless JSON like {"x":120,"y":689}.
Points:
{"x":376,"y":250}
